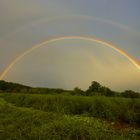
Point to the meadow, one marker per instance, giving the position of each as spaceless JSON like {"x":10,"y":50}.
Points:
{"x":68,"y":117}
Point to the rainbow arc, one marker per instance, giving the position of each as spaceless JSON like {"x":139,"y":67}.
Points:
{"x":92,"y":39}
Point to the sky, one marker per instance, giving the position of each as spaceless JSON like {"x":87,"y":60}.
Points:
{"x":75,"y":62}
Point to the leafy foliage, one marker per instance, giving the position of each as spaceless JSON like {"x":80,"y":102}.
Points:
{"x":21,"y":123}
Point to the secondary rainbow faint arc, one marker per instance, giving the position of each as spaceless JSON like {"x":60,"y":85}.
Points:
{"x":92,"y":39}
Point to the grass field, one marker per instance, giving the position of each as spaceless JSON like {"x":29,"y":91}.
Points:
{"x":67,"y":117}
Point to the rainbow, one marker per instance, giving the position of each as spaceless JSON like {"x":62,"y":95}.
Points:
{"x":92,"y":39}
{"x":85,"y":17}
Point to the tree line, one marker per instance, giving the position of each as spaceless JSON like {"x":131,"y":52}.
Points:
{"x":95,"y":89}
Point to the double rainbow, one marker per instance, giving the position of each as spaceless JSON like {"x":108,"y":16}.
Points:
{"x":18,"y":58}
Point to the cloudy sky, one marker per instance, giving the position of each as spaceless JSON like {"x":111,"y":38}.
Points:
{"x":75,"y":62}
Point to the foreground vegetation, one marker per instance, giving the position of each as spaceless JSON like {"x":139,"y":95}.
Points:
{"x":67,"y":117}
{"x":111,"y":109}
{"x":28,"y":113}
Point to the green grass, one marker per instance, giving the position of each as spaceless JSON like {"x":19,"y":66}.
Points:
{"x":111,"y":109}
{"x":58,"y":117}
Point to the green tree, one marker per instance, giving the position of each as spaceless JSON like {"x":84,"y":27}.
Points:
{"x":106,"y":91}
{"x":93,"y":88}
{"x":78,"y":91}
{"x":130,"y":94}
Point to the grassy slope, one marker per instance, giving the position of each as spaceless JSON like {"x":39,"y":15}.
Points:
{"x":34,"y":117}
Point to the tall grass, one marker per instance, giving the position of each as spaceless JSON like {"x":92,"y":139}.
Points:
{"x":112,"y":109}
{"x":20,"y":123}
